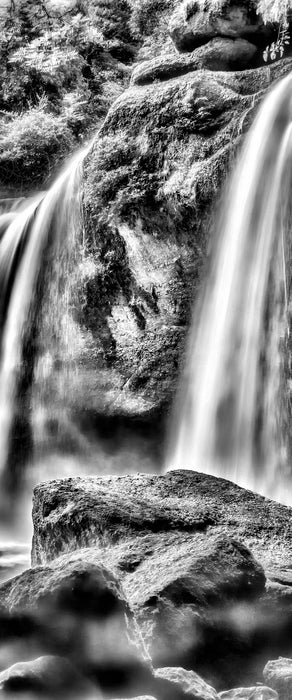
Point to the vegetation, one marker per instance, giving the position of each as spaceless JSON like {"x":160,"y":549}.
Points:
{"x":32,"y":142}
{"x":63,"y":63}
{"x":271,"y":10}
{"x":61,"y":67}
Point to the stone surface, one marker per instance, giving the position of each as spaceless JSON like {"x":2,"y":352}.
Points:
{"x":191,"y":27}
{"x":278,"y":674}
{"x":47,"y":676}
{"x":109,"y":511}
{"x":217,"y":55}
{"x":191,"y":683}
{"x":190,"y":551}
{"x":77,"y":608}
{"x":151,"y":182}
{"x":260,"y":692}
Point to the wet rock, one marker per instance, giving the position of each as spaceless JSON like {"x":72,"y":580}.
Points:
{"x":217,"y":55}
{"x":48,"y":677}
{"x":278,"y":674}
{"x":151,"y":182}
{"x":147,"y":511}
{"x":77,"y":609}
{"x":260,"y":692}
{"x":189,"y":681}
{"x":191,"y":551}
{"x":191,"y":27}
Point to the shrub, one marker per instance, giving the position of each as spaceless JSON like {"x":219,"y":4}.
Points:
{"x":146,"y":14}
{"x":31,"y":145}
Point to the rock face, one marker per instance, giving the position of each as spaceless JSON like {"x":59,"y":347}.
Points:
{"x":217,"y":55}
{"x":193,"y":553}
{"x":48,"y":677}
{"x":260,"y":692}
{"x":191,"y":27}
{"x":77,"y":608}
{"x":188,"y":680}
{"x":151,"y":182}
{"x":278,"y":674}
{"x":107,"y":511}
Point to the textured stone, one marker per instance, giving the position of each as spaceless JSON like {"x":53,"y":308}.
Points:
{"x":147,"y":510}
{"x":189,"y":681}
{"x":278,"y":674}
{"x":77,"y":609}
{"x":190,"y":27}
{"x":150,"y":184}
{"x":48,"y":677}
{"x":260,"y":692}
{"x":189,"y":550}
{"x":217,"y":55}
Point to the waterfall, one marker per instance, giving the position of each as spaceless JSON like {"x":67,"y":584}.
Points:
{"x":231,"y":415}
{"x":36,"y":236}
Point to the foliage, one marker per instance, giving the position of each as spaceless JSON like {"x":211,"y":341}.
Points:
{"x":145,"y":15}
{"x":274,"y":10}
{"x":34,"y":141}
{"x":73,"y":58}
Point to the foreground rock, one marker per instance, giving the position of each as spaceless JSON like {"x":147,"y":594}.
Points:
{"x":189,"y":681}
{"x":278,"y":674}
{"x":148,"y":511}
{"x":77,"y":609}
{"x":193,"y":553}
{"x":47,"y":677}
{"x":260,"y":692}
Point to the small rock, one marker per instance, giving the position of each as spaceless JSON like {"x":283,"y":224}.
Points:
{"x":278,"y":674}
{"x":260,"y":692}
{"x":189,"y":682}
{"x":48,"y":676}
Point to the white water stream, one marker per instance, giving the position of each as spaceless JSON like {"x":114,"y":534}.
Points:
{"x":231,"y":413}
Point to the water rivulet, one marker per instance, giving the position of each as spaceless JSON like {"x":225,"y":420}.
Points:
{"x":37,"y":251}
{"x":233,"y":411}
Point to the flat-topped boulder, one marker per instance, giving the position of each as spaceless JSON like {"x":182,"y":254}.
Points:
{"x":217,"y":55}
{"x":108,"y":511}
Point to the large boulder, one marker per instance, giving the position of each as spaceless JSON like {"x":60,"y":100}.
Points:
{"x":217,"y":55}
{"x":77,"y":608}
{"x":111,"y":510}
{"x":191,"y":25}
{"x":278,"y":674}
{"x":192,"y":684}
{"x":192,"y":552}
{"x":151,"y":182}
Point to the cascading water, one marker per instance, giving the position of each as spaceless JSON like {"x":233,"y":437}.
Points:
{"x":231,"y":417}
{"x":35,"y":238}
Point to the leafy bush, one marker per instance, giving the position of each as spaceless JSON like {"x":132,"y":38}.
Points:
{"x":145,"y":14}
{"x":70,"y":58}
{"x":32,"y":142}
{"x":274,"y":10}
